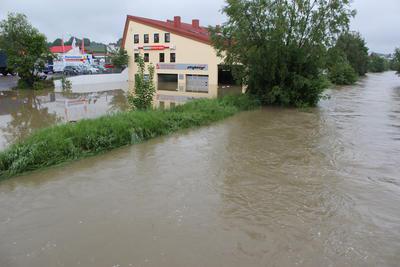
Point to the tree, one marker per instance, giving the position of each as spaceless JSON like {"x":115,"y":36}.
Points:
{"x":281,"y":45}
{"x":25,"y":46}
{"x":57,"y":42}
{"x":142,"y":97}
{"x":396,"y":61}
{"x":119,"y":58}
{"x":356,"y":51}
{"x":377,"y":63}
{"x":119,"y":42}
{"x":340,"y":71}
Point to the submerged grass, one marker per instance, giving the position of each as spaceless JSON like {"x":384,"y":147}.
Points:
{"x":68,"y":142}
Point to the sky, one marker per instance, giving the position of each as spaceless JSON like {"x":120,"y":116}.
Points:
{"x":104,"y":20}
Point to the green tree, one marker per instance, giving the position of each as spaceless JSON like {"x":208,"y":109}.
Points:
{"x":119,"y":58}
{"x":356,"y":51}
{"x":142,"y":97}
{"x":282,"y":45}
{"x":340,"y":71}
{"x":378,"y":63}
{"x":57,"y":42}
{"x":396,"y":61}
{"x":25,"y":46}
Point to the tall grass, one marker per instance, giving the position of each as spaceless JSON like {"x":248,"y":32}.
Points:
{"x":58,"y":144}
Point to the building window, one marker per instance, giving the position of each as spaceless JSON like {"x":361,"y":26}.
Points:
{"x":137,"y":57}
{"x":172,"y":105}
{"x":168,"y":82}
{"x":136,"y":38}
{"x":162,"y":57}
{"x":146,"y":39}
{"x":162,"y":105}
{"x":156,"y":38}
{"x":146,"y":57}
{"x":167,"y":37}
{"x":197,"y":83}
{"x":172,"y":58}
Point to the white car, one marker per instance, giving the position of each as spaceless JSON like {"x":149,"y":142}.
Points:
{"x":92,"y":70}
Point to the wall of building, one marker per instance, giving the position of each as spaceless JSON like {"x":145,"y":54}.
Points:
{"x":187,"y":51}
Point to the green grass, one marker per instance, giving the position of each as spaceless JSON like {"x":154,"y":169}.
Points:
{"x":68,"y":142}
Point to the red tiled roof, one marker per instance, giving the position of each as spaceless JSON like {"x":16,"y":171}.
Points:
{"x":60,"y":49}
{"x":199,"y":34}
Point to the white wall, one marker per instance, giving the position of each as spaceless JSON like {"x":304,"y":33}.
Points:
{"x":97,"y":82}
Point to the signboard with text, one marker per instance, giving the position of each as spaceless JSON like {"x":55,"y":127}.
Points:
{"x":162,"y":66}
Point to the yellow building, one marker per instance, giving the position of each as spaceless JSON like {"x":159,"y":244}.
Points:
{"x":186,"y":64}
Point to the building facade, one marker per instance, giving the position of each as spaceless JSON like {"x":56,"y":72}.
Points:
{"x":186,"y":64}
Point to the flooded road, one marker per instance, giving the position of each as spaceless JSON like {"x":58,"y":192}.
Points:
{"x":25,"y":111}
{"x":273,"y":187}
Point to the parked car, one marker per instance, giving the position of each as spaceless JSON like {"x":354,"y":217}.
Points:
{"x":93,"y":70}
{"x":108,"y":66}
{"x":48,"y":69}
{"x":71,"y":71}
{"x":102,"y":69}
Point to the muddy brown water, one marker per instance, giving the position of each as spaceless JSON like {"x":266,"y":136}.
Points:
{"x":274,"y":187}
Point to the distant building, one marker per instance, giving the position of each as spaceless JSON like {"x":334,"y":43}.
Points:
{"x":70,"y":55}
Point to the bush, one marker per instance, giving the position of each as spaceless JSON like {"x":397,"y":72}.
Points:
{"x":58,"y":144}
{"x":378,"y":64}
{"x":342,"y":74}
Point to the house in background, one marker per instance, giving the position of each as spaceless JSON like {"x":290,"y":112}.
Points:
{"x":70,"y":55}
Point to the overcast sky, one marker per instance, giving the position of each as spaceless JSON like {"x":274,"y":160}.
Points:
{"x":103,"y":20}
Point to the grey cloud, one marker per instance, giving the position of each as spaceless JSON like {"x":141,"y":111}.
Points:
{"x":104,"y":20}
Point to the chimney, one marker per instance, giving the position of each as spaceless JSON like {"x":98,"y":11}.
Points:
{"x":196,"y":23}
{"x":177,"y":21}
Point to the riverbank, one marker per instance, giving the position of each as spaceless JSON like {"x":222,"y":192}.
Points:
{"x":68,"y":142}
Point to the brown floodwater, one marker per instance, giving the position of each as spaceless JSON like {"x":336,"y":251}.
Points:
{"x":273,"y":187}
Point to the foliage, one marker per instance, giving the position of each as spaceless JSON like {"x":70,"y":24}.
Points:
{"x":378,"y":63}
{"x":143,"y":95}
{"x":340,"y":71}
{"x":66,"y":84}
{"x":119,"y":58}
{"x":78,"y":41}
{"x":25,"y":46}
{"x":119,"y":42}
{"x":68,"y":142}
{"x":355,"y":50}
{"x":282,"y":45}
{"x":395,"y":65}
{"x":43,"y":84}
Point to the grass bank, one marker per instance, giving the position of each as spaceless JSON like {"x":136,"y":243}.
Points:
{"x":62,"y":143}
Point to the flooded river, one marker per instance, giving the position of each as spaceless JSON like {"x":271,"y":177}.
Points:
{"x":273,"y":187}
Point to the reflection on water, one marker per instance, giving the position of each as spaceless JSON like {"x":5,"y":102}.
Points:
{"x":274,"y":187}
{"x":24,"y":111}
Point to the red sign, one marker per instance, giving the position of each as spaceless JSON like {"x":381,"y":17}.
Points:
{"x":154,"y":47}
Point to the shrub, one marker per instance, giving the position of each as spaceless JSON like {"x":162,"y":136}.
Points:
{"x":142,"y":97}
{"x":342,"y":74}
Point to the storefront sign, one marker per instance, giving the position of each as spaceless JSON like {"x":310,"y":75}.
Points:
{"x":202,"y":67}
{"x":78,"y":58}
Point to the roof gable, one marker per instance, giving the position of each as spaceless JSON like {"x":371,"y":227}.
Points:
{"x":200,"y":34}
{"x":60,"y":48}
